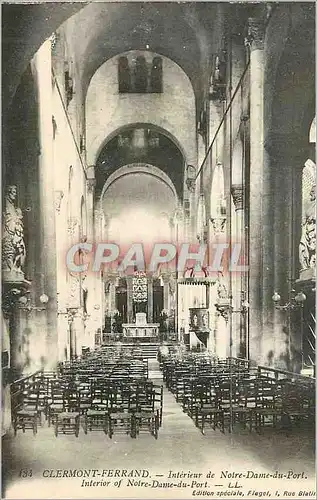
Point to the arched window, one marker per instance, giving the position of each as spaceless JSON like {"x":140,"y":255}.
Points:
{"x":156,"y":75}
{"x":140,"y":75}
{"x":124,"y":77}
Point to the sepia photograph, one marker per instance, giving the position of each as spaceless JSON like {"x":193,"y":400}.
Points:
{"x":158,"y":250}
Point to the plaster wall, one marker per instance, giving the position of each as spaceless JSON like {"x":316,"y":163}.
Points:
{"x":173,"y":110}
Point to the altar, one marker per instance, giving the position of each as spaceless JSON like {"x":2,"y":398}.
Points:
{"x":140,"y":328}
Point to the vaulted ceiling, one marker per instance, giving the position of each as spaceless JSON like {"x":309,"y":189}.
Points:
{"x":187,"y":33}
{"x":24,"y":28}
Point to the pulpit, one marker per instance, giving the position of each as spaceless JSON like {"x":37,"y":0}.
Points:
{"x":140,"y":329}
{"x":199,"y":324}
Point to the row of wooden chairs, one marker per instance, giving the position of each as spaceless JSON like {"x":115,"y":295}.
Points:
{"x":226,"y":393}
{"x":105,"y":367}
{"x":95,"y":402}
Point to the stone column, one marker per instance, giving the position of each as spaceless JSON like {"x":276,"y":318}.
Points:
{"x":92,"y":279}
{"x":41,"y":67}
{"x":150,"y":299}
{"x":166,"y":292}
{"x":256,"y":44}
{"x":112,"y":295}
{"x":238,"y":278}
{"x":90,"y":195}
{"x":78,"y":333}
{"x":72,"y":334}
{"x":99,"y":276}
{"x":130,"y":299}
{"x":287,"y":157}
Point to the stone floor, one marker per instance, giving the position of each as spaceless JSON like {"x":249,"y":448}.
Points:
{"x":180,"y":448}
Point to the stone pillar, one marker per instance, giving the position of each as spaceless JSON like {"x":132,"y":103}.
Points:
{"x":112,"y":296}
{"x":165,"y":292}
{"x":150,"y":299}
{"x":256,"y":238}
{"x":286,"y":156}
{"x":90,"y":192}
{"x":222,"y":340}
{"x":130,"y":299}
{"x":41,"y":67}
{"x":99,"y":289}
{"x":72,"y":333}
{"x":92,"y":279}
{"x":238,"y":278}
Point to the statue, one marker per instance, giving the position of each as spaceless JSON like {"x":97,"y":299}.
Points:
{"x":307,"y":246}
{"x":13,"y":246}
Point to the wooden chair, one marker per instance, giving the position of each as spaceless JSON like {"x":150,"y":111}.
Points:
{"x":121,"y":422}
{"x":244,"y":404}
{"x":95,"y":420}
{"x":144,"y":420}
{"x":119,"y":414}
{"x":28,"y":415}
{"x":67,"y":422}
{"x":158,"y":401}
{"x":268,"y":405}
{"x":146,"y":417}
{"x":298,"y":405}
{"x":209,"y":409}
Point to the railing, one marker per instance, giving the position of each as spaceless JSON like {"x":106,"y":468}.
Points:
{"x":246,"y":363}
{"x":110,"y":340}
{"x":282,"y":374}
{"x":18,"y":386}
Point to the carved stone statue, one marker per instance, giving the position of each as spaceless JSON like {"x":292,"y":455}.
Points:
{"x":307,"y":246}
{"x":13,"y":246}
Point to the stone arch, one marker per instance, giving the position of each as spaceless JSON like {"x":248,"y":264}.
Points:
{"x":147,"y":125}
{"x":138,"y":168}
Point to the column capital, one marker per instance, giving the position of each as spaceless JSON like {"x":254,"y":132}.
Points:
{"x":191,"y":178}
{"x":166,"y":278}
{"x":237,"y":196}
{"x":72,"y":224}
{"x":255,"y":33}
{"x":99,"y":214}
{"x":90,"y":183}
{"x":90,"y":178}
{"x":219,"y":224}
